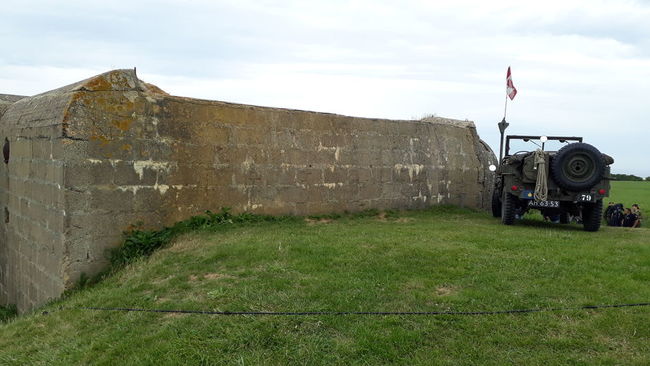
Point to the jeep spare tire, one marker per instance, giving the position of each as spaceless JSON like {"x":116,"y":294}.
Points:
{"x":577,"y":166}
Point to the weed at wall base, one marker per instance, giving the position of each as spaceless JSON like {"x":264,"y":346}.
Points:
{"x":7,"y":312}
{"x":142,"y":243}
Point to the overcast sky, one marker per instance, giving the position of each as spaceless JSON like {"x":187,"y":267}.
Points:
{"x":581,"y":67}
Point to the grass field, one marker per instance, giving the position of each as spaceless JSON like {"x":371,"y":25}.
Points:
{"x":629,"y":193}
{"x":438,"y":260}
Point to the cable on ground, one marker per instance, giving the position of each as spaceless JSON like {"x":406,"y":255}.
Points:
{"x":380,"y":313}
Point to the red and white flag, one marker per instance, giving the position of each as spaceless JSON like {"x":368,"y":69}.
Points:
{"x":510,"y":87}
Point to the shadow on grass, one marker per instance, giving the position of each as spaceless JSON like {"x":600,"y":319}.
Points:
{"x":548,"y":225}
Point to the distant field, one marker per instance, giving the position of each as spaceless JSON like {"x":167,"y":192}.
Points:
{"x":629,"y":193}
{"x":444,"y":259}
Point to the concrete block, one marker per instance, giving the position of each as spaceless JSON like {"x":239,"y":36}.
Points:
{"x":322,"y":157}
{"x":296,"y":157}
{"x":251,"y":136}
{"x":283,"y":138}
{"x":343,"y":125}
{"x":293,"y":194}
{"x":191,"y":153}
{"x":335,"y":140}
{"x":347,"y":157}
{"x":41,"y":149}
{"x":184,"y":174}
{"x":20,"y":148}
{"x":149,"y":199}
{"x":20,"y":167}
{"x":307,"y":140}
{"x":148,"y":172}
{"x":91,"y":172}
{"x":54,"y":172}
{"x":309,"y":176}
{"x":37,"y":170}
{"x":157,"y":150}
{"x":335,"y":175}
{"x":112,"y":200}
{"x":213,"y":134}
{"x":287,"y":176}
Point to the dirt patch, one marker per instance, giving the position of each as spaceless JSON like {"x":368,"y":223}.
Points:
{"x":385,"y":217}
{"x":404,"y":219}
{"x":184,"y":244}
{"x":159,"y":281}
{"x":410,"y":286}
{"x":209,"y":276}
{"x":445,"y":291}
{"x":311,"y":222}
{"x":216,"y":276}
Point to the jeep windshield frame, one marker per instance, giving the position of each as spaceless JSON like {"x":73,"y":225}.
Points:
{"x":528,"y":138}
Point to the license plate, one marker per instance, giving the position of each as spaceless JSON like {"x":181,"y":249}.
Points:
{"x":544,"y":204}
{"x":585,"y":198}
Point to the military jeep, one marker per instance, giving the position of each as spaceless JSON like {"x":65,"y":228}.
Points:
{"x":566,"y":184}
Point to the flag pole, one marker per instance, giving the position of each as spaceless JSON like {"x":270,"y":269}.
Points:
{"x":503,"y":124}
{"x":502,"y":128}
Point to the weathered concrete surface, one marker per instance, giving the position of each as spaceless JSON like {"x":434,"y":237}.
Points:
{"x":32,"y":201}
{"x":6,"y":100}
{"x":10,"y":98}
{"x":92,"y":158}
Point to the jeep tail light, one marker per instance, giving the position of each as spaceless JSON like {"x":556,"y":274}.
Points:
{"x":514,"y":188}
{"x":602,"y":191}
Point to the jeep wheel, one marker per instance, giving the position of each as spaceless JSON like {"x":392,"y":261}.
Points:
{"x":508,"y":208}
{"x":591,"y":213}
{"x":577,"y":167}
{"x":496,"y":202}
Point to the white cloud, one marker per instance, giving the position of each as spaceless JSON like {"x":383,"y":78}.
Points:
{"x":581,"y":67}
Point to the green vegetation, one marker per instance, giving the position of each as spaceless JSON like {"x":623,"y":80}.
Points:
{"x":629,"y":193}
{"x":141,"y":243}
{"x":6,"y":313}
{"x":442,"y":259}
{"x":627,"y":177}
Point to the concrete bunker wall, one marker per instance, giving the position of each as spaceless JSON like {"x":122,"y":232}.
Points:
{"x":122,"y":151}
{"x":31,"y":200}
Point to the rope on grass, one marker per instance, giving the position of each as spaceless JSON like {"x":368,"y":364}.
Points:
{"x":380,"y":313}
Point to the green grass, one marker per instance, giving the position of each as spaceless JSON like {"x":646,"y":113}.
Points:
{"x":437,"y":260}
{"x":628,"y":193}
